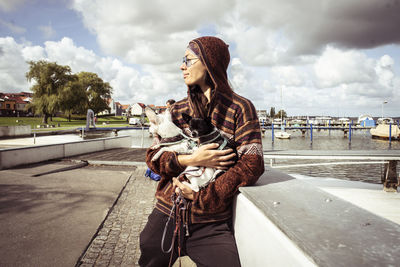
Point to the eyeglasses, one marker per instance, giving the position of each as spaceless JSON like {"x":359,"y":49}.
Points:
{"x":189,"y":61}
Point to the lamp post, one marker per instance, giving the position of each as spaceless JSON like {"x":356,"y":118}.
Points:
{"x":384,"y":102}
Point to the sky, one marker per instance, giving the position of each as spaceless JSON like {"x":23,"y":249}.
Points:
{"x":328,"y":57}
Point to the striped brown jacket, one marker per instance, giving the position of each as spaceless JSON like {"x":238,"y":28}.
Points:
{"x":236,"y":118}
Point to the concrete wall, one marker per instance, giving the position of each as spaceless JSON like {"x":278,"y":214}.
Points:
{"x":260,"y":242}
{"x":283,"y":221}
{"x":10,"y":131}
{"x":26,"y":155}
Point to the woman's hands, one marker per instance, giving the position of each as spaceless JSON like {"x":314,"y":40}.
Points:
{"x":204,"y":156}
{"x":209,"y":156}
{"x":187,"y":192}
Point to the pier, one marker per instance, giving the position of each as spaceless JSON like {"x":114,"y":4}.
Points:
{"x":390,"y":157}
{"x":310,"y":128}
{"x":92,"y":214}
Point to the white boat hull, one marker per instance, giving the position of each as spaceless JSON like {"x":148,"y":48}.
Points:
{"x":282,"y":135}
{"x":382,"y":131}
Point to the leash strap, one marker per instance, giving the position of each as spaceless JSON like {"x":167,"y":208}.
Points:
{"x":180,"y":211}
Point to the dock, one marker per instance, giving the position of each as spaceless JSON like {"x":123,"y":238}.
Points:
{"x":390,"y":179}
{"x":92,"y":215}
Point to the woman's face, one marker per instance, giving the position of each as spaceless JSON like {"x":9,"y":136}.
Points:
{"x":195,"y":73}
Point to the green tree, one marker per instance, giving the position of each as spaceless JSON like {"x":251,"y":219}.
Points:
{"x":49,"y":78}
{"x":272,"y":112}
{"x":97,"y":91}
{"x":72,"y":97}
{"x":278,"y":115}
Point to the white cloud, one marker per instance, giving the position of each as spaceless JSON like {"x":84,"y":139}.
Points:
{"x":313,"y":48}
{"x":12,"y":66}
{"x":384,"y":71}
{"x":33,"y":53}
{"x":129,"y":84}
{"x":335,"y":67}
{"x":288,"y":75}
{"x":151,"y":32}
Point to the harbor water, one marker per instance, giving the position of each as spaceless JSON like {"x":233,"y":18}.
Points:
{"x":322,"y":140}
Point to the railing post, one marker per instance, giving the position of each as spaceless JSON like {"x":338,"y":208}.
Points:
{"x":389,"y":177}
{"x":141,"y":145}
{"x":311,"y":132}
{"x":272,"y":127}
{"x":350,"y":131}
{"x":329,"y":127}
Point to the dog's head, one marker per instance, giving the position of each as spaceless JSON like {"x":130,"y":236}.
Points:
{"x":198,"y":126}
{"x":161,"y":124}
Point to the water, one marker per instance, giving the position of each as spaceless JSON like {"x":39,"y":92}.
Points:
{"x":322,"y":140}
{"x":329,"y":140}
{"x":333,"y":140}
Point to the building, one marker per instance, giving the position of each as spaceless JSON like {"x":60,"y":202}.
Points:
{"x":262,"y":116}
{"x":15,"y":104}
{"x":136,"y":109}
{"x":160,"y":109}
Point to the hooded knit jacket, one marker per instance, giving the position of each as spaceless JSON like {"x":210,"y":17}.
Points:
{"x":236,"y":118}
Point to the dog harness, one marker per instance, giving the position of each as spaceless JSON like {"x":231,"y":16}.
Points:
{"x":211,"y":137}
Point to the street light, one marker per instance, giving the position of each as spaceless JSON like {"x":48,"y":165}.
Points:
{"x":384,"y":102}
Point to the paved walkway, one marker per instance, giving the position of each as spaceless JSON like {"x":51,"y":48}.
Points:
{"x":117,"y":241}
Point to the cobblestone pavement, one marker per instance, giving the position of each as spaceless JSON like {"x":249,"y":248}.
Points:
{"x":117,"y":241}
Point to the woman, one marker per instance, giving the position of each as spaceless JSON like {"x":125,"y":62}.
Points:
{"x":210,"y":241}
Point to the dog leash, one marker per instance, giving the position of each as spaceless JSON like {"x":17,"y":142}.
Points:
{"x":179,"y":210}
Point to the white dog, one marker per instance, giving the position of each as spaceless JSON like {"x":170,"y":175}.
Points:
{"x":172,"y":139}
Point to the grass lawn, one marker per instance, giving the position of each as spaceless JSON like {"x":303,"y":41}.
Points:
{"x":62,"y":123}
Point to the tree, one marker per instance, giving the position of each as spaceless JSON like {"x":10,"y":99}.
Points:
{"x":97,"y":91}
{"x":278,"y":115}
{"x":272,"y":112}
{"x":49,"y":79}
{"x":72,"y":97}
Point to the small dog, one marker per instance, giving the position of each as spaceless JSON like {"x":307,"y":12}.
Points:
{"x":204,"y":133}
{"x":172,"y":139}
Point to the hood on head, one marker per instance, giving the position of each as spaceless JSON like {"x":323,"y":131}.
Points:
{"x":214,"y":54}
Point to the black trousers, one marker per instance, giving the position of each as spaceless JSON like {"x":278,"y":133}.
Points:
{"x":209,"y":244}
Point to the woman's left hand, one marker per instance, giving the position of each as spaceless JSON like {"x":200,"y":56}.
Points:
{"x":187,"y":192}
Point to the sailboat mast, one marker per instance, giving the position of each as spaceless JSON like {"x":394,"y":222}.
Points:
{"x":281,"y":107}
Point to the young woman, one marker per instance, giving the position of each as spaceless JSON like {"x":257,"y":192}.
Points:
{"x":210,"y":241}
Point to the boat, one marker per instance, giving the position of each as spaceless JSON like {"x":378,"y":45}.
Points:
{"x":385,"y":121}
{"x":282,"y":135}
{"x":383,"y":130}
{"x":366,"y":120}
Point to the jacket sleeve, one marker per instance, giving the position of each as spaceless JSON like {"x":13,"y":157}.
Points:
{"x":217,"y":196}
{"x":167,"y":165}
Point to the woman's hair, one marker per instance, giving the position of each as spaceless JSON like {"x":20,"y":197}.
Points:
{"x":170,"y":101}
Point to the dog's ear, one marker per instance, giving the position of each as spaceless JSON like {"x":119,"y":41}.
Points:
{"x":187,"y":118}
{"x":151,"y":115}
